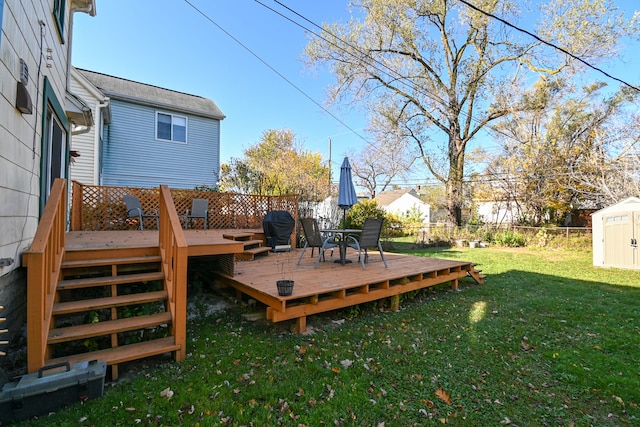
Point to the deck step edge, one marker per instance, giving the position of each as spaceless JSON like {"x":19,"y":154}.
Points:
{"x":124,"y":353}
{"x":109,"y":280}
{"x":111,"y":261}
{"x":107,"y":302}
{"x":72,"y":333}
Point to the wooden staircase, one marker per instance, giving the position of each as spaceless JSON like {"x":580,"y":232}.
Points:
{"x":110,"y":304}
{"x":476,"y":275}
{"x":253,"y":245}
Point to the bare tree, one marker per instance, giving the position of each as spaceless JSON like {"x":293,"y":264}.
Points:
{"x":575,"y":149}
{"x":441,"y":71}
{"x":377,"y":165}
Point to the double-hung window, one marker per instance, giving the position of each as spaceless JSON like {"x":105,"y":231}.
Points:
{"x":170,"y":127}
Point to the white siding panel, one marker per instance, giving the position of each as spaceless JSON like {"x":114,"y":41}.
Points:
{"x":83,"y":168}
{"x":20,"y":138}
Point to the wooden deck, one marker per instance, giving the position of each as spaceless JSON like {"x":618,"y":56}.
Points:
{"x":201,"y":242}
{"x":329,"y":287}
{"x":332,"y":286}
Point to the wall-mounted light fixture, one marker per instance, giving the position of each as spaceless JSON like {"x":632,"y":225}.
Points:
{"x":23,"y":99}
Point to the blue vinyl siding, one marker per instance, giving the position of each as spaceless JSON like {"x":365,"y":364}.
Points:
{"x":133,"y":157}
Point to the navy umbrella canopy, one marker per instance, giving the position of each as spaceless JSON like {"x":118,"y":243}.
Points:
{"x":346,"y":191}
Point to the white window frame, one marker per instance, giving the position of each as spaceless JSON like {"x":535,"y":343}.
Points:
{"x":186,"y":127}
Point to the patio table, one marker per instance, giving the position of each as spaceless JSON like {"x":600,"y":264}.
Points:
{"x":343,"y":233}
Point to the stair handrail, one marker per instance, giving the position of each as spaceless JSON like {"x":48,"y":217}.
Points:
{"x":44,"y":259}
{"x":174,"y":252}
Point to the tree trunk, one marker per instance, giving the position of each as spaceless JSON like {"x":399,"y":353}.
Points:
{"x":455,"y":182}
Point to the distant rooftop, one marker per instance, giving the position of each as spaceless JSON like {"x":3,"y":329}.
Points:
{"x":387,"y":197}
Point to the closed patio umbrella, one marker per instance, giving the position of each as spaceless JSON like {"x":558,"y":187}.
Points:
{"x":346,"y":191}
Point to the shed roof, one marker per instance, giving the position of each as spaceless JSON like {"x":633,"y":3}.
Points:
{"x":146,"y":94}
{"x":620,"y":206}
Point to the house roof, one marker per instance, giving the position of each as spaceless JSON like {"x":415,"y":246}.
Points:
{"x":387,"y":197}
{"x":145,"y":94}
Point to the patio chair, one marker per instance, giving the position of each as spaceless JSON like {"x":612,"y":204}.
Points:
{"x":314,"y":239}
{"x":134,"y":210}
{"x":369,"y":238}
{"x":199,"y":210}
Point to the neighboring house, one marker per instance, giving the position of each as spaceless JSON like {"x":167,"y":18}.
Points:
{"x":148,"y":136}
{"x":498,"y":212}
{"x":38,"y":113}
{"x":403,"y":202}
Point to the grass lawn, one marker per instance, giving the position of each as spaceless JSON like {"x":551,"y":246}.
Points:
{"x":548,"y":340}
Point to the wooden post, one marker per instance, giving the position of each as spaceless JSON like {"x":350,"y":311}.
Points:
{"x":301,"y":325}
{"x":395,"y":303}
{"x":76,"y":206}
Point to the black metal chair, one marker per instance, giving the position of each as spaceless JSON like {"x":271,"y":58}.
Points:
{"x":199,"y":210}
{"x":314,"y":239}
{"x":368,"y":239}
{"x":134,"y":210}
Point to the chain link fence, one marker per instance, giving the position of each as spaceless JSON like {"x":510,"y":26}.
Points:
{"x":493,"y":235}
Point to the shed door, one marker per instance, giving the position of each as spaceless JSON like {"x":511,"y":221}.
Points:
{"x":619,"y":235}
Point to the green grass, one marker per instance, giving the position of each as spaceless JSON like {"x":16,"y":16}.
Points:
{"x":547,"y":340}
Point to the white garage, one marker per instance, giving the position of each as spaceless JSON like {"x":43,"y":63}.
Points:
{"x":616,"y":231}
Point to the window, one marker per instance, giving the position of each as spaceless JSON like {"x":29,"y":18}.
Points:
{"x":59,"y":7}
{"x":171,"y":128}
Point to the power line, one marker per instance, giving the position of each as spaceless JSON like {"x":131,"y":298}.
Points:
{"x":283,"y":77}
{"x":566,"y":52}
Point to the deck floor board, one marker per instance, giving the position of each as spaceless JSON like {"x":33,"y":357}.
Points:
{"x":328,"y":287}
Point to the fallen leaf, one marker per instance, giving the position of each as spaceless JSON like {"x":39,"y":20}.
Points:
{"x":443,"y":395}
{"x":346,"y":363}
{"x":167,"y":392}
{"x":525,"y":345}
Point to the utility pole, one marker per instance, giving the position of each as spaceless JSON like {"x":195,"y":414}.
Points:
{"x":330,"y":167}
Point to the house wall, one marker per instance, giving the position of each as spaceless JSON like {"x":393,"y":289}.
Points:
{"x":20,"y":137}
{"x":133,"y":157}
{"x":407,"y":202}
{"x":497,"y":212}
{"x":85,"y":168}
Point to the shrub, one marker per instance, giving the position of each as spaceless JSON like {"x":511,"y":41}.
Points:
{"x":369,"y":208}
{"x":510,"y":238}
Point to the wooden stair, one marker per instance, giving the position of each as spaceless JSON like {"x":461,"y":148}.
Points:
{"x":476,"y":275}
{"x":110,"y":304}
{"x":253,"y":245}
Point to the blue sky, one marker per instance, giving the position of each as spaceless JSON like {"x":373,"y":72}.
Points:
{"x":168,"y":43}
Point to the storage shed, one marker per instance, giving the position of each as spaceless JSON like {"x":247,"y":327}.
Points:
{"x":616,"y":230}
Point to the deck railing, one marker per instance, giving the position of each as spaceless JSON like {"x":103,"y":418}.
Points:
{"x":102,"y":207}
{"x":44,"y":259}
{"x":173,"y":249}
